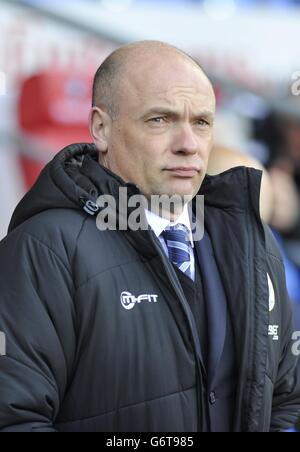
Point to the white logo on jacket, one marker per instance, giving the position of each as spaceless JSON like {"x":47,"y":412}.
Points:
{"x":2,"y":344}
{"x":271,"y":294}
{"x":273,"y":329}
{"x":129,"y":301}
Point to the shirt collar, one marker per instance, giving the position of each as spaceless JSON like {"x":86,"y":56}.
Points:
{"x":159,"y":224}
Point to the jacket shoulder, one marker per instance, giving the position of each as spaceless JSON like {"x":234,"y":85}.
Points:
{"x":58,"y":229}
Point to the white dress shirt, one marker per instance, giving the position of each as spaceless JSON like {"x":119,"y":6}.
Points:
{"x":159,"y":224}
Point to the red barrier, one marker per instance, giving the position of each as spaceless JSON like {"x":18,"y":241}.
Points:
{"x":53,"y":112}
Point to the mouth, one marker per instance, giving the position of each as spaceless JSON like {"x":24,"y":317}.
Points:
{"x":184,"y":171}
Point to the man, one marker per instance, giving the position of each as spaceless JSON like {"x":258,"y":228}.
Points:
{"x":145,"y":330}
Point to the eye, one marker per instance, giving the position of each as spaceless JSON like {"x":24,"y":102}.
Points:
{"x":203,"y":123}
{"x":157,"y":120}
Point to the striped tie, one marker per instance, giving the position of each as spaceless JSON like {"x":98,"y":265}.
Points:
{"x":179,"y":247}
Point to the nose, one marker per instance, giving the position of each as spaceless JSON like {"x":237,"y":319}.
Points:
{"x":185,"y":141}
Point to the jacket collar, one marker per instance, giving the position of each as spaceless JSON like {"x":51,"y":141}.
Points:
{"x":237,"y":189}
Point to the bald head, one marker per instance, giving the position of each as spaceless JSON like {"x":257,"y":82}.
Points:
{"x":123,"y":61}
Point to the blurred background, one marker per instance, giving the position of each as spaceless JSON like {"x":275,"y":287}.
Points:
{"x":50,"y":50}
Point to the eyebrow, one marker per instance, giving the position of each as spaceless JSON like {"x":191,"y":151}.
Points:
{"x":208,"y":114}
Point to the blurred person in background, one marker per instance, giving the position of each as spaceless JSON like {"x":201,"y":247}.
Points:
{"x":281,"y":135}
{"x":285,"y":173}
{"x":145,"y":330}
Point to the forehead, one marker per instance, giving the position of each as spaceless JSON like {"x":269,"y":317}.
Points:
{"x":169,"y":81}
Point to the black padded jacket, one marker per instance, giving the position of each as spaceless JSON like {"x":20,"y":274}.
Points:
{"x":77,"y":360}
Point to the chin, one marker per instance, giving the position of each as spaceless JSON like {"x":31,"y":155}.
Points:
{"x":188,"y":190}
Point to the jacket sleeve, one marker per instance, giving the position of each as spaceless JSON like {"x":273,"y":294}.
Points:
{"x":286,"y":395}
{"x":37,"y":321}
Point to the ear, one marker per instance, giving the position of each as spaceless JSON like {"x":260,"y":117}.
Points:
{"x":99,"y":124}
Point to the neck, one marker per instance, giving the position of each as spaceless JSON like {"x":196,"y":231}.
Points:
{"x":172,"y":213}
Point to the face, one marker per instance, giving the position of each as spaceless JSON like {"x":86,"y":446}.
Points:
{"x":163,"y":135}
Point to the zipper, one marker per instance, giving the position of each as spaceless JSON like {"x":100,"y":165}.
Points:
{"x":191,"y":323}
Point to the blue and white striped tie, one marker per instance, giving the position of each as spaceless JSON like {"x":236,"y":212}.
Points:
{"x":179,"y":247}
